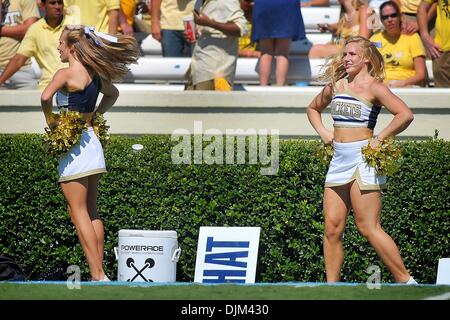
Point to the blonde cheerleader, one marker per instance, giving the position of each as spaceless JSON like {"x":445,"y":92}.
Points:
{"x":95,"y":59}
{"x":356,"y":93}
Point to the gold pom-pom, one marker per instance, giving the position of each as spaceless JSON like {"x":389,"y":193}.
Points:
{"x":385,"y":158}
{"x":221,"y":84}
{"x":324,"y":153}
{"x":101,"y":129}
{"x":66,"y":134}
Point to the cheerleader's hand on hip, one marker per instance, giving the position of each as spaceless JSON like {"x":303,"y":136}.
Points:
{"x":327,"y":137}
{"x":374,"y":142}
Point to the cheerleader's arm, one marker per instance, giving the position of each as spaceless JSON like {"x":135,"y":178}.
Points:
{"x":314,"y":112}
{"x":58,"y":82}
{"x":403,"y":115}
{"x":110,"y":95}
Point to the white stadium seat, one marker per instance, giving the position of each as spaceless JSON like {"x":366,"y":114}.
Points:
{"x":157,"y":69}
{"x":151,"y":47}
{"x":317,"y":38}
{"x":152,"y":69}
{"x":314,"y":15}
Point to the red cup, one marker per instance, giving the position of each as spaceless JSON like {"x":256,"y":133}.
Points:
{"x":189,"y":28}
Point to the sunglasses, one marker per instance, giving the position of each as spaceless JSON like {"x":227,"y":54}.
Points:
{"x":394,"y":15}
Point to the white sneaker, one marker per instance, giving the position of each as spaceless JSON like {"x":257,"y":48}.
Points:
{"x":411,"y":281}
{"x":105,"y":279}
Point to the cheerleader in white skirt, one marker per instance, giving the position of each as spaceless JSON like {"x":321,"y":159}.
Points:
{"x":83,"y":159}
{"x":95,"y":59}
{"x":355,"y":92}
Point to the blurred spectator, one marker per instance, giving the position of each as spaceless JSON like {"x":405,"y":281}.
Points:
{"x":409,"y":10}
{"x":375,"y":4}
{"x":126,"y":16}
{"x":439,"y":47}
{"x":134,"y":16}
{"x":16,"y":16}
{"x":247,"y":48}
{"x":168,"y":27}
{"x":315,"y":3}
{"x":130,"y":12}
{"x":275,"y":25}
{"x":403,"y":54}
{"x":142,"y":17}
{"x":41,"y":9}
{"x":220,"y":24}
{"x":41,"y":42}
{"x":357,"y":19}
{"x":101,"y":14}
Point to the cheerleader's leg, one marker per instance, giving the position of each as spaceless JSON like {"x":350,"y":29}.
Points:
{"x":76,"y":194}
{"x":367,"y":211}
{"x":96,"y":220}
{"x":336,"y":205}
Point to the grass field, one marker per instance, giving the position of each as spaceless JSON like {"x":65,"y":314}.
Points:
{"x":189,"y":291}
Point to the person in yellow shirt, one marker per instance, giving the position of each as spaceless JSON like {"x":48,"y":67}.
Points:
{"x":439,"y":47}
{"x":41,"y":42}
{"x":408,"y":8}
{"x":134,"y":20}
{"x":403,"y":54}
{"x":16,"y":16}
{"x":168,"y":27}
{"x":134,"y":16}
{"x":126,"y":16}
{"x":101,"y":14}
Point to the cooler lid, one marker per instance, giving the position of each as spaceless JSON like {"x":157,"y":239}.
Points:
{"x":148,"y":233}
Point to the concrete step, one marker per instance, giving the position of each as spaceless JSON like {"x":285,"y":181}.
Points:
{"x":162,"y":111}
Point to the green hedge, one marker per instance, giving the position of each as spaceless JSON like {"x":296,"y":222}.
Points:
{"x":146,"y":191}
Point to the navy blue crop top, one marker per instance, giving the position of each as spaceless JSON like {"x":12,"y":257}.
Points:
{"x":82,"y":101}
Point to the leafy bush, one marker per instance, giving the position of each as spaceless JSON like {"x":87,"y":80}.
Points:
{"x":145,"y":190}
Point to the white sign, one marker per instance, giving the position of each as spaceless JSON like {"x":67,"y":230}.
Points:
{"x":443,"y":273}
{"x":227,"y":255}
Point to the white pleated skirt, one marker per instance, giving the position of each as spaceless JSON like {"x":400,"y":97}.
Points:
{"x":348,"y":165}
{"x":83,"y":159}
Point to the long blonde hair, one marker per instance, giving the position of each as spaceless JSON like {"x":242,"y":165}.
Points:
{"x":105,"y":58}
{"x":334,"y":69}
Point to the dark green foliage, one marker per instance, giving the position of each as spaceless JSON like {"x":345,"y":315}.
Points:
{"x":145,"y":190}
